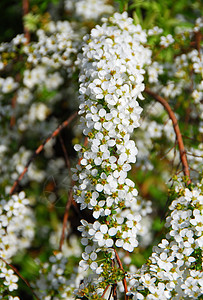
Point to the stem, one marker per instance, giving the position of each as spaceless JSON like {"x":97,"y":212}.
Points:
{"x":198,"y":39}
{"x":13,"y":104}
{"x":40,"y":148}
{"x":104,"y":292}
{"x":70,"y":198}
{"x":114,"y":292}
{"x":110,"y":294}
{"x":174,"y":120}
{"x":25,"y":12}
{"x":16,"y":271}
{"x":67,"y":161}
{"x":121,"y":266}
{"x":65,"y":219}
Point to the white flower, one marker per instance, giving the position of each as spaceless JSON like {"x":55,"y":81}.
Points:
{"x":147,"y":280}
{"x":24,"y":96}
{"x":155,"y":31}
{"x":9,"y":85}
{"x":166,"y":40}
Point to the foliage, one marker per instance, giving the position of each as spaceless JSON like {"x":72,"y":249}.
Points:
{"x":103,"y":206}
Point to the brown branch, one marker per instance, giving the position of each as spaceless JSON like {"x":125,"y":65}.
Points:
{"x":198,"y":39}
{"x":104,"y":292}
{"x":65,"y":153}
{"x":65,"y":219}
{"x":70,"y":199}
{"x":114,"y":292}
{"x":192,"y":139}
{"x":16,"y":271}
{"x":110,"y":294}
{"x":168,"y":151}
{"x":41,"y":147}
{"x":195,"y":155}
{"x":13,"y":104}
{"x":25,"y":12}
{"x":124,"y":279}
{"x":173,"y":118}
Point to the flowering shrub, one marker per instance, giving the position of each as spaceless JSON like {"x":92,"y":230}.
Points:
{"x":109,"y":89}
{"x":139,"y":91}
{"x":173,"y":270}
{"x":17,"y":231}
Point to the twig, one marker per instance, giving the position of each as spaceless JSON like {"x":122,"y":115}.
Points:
{"x":25,"y":12}
{"x":65,"y":219}
{"x":194,"y":170}
{"x":13,"y":104}
{"x":195,"y":155}
{"x":114,"y":286}
{"x":70,"y":199}
{"x":104,"y":292}
{"x":168,"y":151}
{"x":40,"y":148}
{"x":16,"y":271}
{"x":121,"y":267}
{"x":174,"y":157}
{"x":110,"y":294}
{"x":173,"y":118}
{"x":156,"y":54}
{"x":198,"y":38}
{"x":190,"y":138}
{"x":65,"y":153}
{"x":114,"y":292}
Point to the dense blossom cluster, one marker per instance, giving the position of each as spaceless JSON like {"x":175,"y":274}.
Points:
{"x":54,"y":47}
{"x":43,"y":65}
{"x":111,"y":81}
{"x":156,"y":124}
{"x":89,"y":9}
{"x":55,"y":276}
{"x":117,"y":61}
{"x":16,"y":233}
{"x":34,"y":94}
{"x":103,"y":71}
{"x":172,"y":271}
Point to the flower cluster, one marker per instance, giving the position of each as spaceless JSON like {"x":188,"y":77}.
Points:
{"x":156,"y":125}
{"x":54,"y":46}
{"x":173,"y":270}
{"x":89,"y":9}
{"x":118,"y":62}
{"x":33,"y":82}
{"x":32,"y":95}
{"x":16,"y":233}
{"x":55,"y":275}
{"x":111,"y":81}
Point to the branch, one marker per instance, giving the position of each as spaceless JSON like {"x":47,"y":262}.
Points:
{"x":67,"y":161}
{"x":70,"y":198}
{"x":16,"y":271}
{"x":13,"y":102}
{"x":198,"y":39}
{"x":25,"y":12}
{"x":173,"y":118}
{"x":40,"y":148}
{"x":65,"y":219}
{"x":121,"y":267}
{"x":114,"y":292}
{"x":104,"y":292}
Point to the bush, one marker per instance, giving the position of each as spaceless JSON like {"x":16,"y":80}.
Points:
{"x":101,"y":151}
